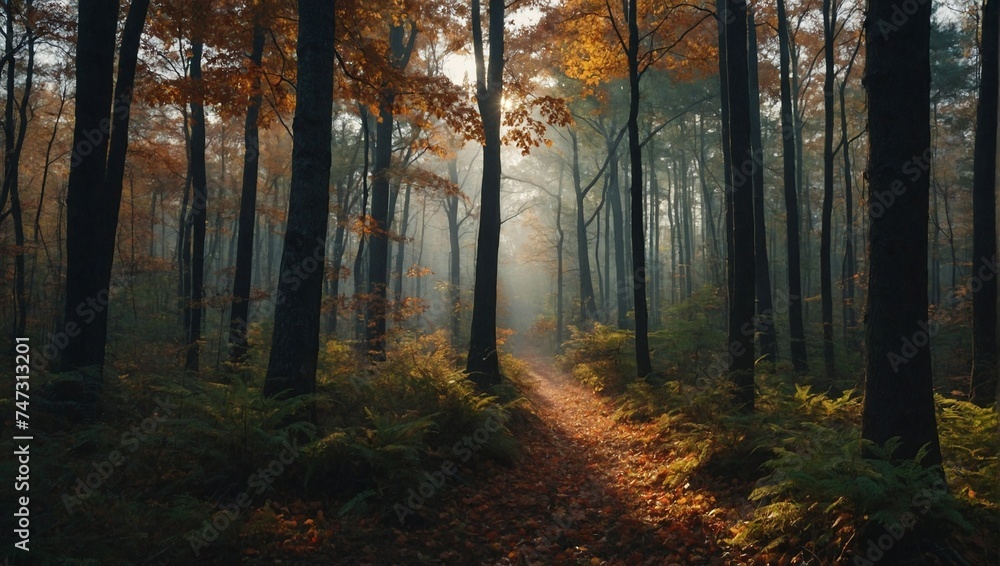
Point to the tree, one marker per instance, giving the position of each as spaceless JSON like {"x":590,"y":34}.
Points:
{"x":100,"y":142}
{"x":483,"y":365}
{"x":762,"y":283}
{"x":742,"y":262}
{"x":899,"y":394}
{"x":984,"y":221}
{"x":400,"y":49}
{"x":199,"y":183}
{"x":295,"y":341}
{"x":240,"y":312}
{"x":826,"y":236}
{"x":796,"y":333}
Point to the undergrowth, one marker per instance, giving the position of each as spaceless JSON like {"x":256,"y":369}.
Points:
{"x":203,"y":455}
{"x":821,"y":493}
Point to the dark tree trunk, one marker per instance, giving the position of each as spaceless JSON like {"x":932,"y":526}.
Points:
{"x":706,"y":196}
{"x":588,"y":309}
{"x":644,"y":366}
{"x":483,"y":364}
{"x":239,"y":315}
{"x":848,"y":270}
{"x":765,"y":305}
{"x":560,"y":239}
{"x":984,"y":246}
{"x":404,"y":223}
{"x":199,"y":210}
{"x":797,"y":337}
{"x":95,"y":180}
{"x":723,"y":9}
{"x":899,"y":393}
{"x":455,"y":256}
{"x":614,"y":197}
{"x":295,"y":343}
{"x":741,"y":308}
{"x":826,"y":237}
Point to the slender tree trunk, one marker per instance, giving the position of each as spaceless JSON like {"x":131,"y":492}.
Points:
{"x":588,"y":310}
{"x":796,"y":334}
{"x":295,"y":343}
{"x":239,"y":315}
{"x":826,"y":237}
{"x":483,"y":364}
{"x":984,"y":246}
{"x":706,"y":197}
{"x":741,"y":308}
{"x":850,"y":321}
{"x":455,"y":256}
{"x":615,"y":200}
{"x":560,"y":238}
{"x":644,"y":366}
{"x":199,"y":209}
{"x":403,"y":227}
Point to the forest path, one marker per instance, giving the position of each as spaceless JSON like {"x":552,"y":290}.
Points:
{"x":586,"y":490}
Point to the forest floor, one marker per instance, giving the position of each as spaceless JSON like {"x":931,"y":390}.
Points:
{"x":586,"y":489}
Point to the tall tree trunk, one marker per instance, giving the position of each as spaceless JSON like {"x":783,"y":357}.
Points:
{"x":848,"y":270}
{"x":199,"y":209}
{"x":644,"y":366}
{"x":899,"y":392}
{"x":295,"y":343}
{"x":483,"y":364}
{"x":765,"y":305}
{"x":796,"y":333}
{"x":722,"y":9}
{"x":14,"y":143}
{"x":741,"y":308}
{"x":455,"y":255}
{"x":560,"y":238}
{"x":984,"y":246}
{"x":714,"y":255}
{"x":615,"y":199}
{"x":239,"y":315}
{"x":404,"y":222}
{"x":588,"y":309}
{"x":95,"y":180}
{"x":826,"y":273}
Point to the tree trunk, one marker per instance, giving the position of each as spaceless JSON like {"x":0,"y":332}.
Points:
{"x":899,"y":391}
{"x":199,"y":210}
{"x":825,"y":269}
{"x":765,"y":305}
{"x":588,"y":309}
{"x":615,"y":199}
{"x":483,"y":364}
{"x":295,"y":343}
{"x":239,"y":315}
{"x":644,"y":366}
{"x":404,"y":222}
{"x":796,"y":333}
{"x":984,"y":247}
{"x":741,"y":308}
{"x":95,"y":180}
{"x":848,"y":270}
{"x":455,"y":256}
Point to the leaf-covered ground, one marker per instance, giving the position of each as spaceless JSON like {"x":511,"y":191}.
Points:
{"x":586,"y":490}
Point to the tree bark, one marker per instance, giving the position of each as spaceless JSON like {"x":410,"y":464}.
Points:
{"x":899,"y":393}
{"x":199,"y":209}
{"x":765,"y":305}
{"x":826,"y":269}
{"x":741,"y":308}
{"x":483,"y":365}
{"x":984,"y":246}
{"x":295,"y":343}
{"x":239,"y":315}
{"x":796,"y":333}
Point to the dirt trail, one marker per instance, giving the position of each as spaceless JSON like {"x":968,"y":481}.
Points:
{"x":587,"y":490}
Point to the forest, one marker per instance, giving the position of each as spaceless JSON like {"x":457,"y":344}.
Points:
{"x":503,"y":282}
